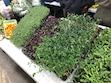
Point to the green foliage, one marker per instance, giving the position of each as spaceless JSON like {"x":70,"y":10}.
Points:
{"x":97,"y":67}
{"x":61,"y":52}
{"x":1,"y":25}
{"x":28,"y":24}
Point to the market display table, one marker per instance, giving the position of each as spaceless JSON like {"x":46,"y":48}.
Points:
{"x":32,"y":69}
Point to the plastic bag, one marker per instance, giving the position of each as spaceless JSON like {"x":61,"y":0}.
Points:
{"x":7,"y":12}
{"x":22,"y":7}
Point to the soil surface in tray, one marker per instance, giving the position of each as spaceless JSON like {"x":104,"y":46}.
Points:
{"x":47,"y":29}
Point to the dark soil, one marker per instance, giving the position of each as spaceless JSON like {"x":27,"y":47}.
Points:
{"x":47,"y":29}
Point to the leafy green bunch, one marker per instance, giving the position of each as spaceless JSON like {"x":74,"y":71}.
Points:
{"x":28,"y":24}
{"x":61,"y":53}
{"x":97,"y":67}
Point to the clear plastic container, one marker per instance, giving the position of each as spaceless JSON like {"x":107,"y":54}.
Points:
{"x":9,"y":26}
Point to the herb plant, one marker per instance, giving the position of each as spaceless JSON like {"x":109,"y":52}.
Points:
{"x":62,"y":52}
{"x":28,"y":24}
{"x":97,"y":67}
{"x":46,"y":30}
